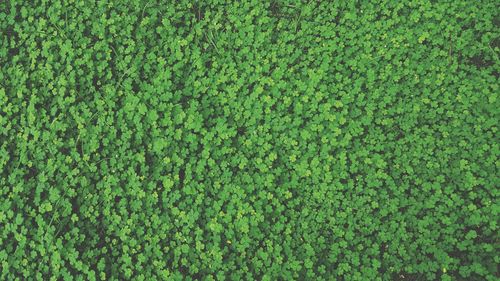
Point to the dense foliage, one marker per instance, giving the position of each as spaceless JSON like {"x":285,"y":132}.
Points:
{"x":249,"y":140}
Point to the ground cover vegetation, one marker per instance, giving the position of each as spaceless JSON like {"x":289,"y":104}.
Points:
{"x":249,"y":140}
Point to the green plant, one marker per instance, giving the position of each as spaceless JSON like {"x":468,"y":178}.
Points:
{"x":249,"y":140}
